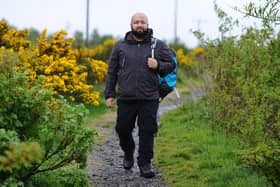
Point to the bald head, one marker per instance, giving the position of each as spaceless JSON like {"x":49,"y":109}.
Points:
{"x":139,"y":26}
{"x":139,"y":16}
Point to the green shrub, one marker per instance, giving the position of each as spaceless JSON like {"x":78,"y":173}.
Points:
{"x":39,"y":133}
{"x":245,"y":92}
{"x":66,"y":177}
{"x":265,"y":159}
{"x":245,"y":96}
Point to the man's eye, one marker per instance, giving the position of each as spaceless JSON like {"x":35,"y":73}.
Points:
{"x":137,"y":22}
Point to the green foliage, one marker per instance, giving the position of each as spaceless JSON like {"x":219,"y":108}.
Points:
{"x":245,"y":92}
{"x":179,"y":45}
{"x":33,"y":35}
{"x":227,"y":23}
{"x":97,"y":39}
{"x":189,"y":153}
{"x":19,"y":156}
{"x":6,"y":137}
{"x":240,"y":72}
{"x":12,"y":182}
{"x":94,"y":40}
{"x":79,"y":40}
{"x":38,"y":132}
{"x":66,"y":177}
{"x":268,"y":11}
{"x":266,"y":159}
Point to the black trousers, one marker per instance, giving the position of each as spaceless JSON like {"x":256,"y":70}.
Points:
{"x":146,"y":113}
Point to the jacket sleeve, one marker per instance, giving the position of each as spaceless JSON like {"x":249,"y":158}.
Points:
{"x":165,"y":61}
{"x":111,"y":78}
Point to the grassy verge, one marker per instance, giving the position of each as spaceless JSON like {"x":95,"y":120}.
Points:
{"x":188,"y":153}
{"x":95,"y":111}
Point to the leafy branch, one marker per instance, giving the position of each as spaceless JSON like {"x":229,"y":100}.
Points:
{"x":268,"y":12}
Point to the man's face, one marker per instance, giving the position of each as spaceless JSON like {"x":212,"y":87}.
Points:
{"x":139,"y":23}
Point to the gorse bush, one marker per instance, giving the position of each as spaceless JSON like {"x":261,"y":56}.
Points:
{"x":69,"y":72}
{"x":245,"y":93}
{"x":191,"y":62}
{"x":39,"y":133}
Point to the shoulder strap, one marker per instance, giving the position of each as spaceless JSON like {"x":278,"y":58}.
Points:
{"x":153,"y":46}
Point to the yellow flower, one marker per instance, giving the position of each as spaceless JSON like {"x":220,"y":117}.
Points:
{"x":72,"y":98}
{"x":197,"y":52}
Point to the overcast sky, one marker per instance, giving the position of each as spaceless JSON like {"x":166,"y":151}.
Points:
{"x":113,"y":16}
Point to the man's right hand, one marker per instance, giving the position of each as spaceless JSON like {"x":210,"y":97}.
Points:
{"x":110,"y":102}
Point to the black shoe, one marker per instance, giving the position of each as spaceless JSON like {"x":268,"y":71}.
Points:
{"x":146,"y":171}
{"x":128,"y":162}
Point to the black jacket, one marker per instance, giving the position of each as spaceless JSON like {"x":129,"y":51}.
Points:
{"x":128,"y":67}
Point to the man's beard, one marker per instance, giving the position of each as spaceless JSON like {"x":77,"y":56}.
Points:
{"x":140,"y":34}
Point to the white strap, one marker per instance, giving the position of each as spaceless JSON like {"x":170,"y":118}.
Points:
{"x":177,"y":93}
{"x":153,"y":46}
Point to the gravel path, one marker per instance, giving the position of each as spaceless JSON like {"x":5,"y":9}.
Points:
{"x":105,"y":162}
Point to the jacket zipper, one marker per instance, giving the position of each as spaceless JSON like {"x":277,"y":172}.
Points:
{"x":136,"y":94}
{"x":123,"y":62}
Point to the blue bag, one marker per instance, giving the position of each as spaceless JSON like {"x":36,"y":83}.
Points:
{"x":167,"y":82}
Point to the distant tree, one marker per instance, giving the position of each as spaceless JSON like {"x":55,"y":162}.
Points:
{"x":79,"y":40}
{"x":33,"y":35}
{"x":96,"y":38}
{"x":179,"y":45}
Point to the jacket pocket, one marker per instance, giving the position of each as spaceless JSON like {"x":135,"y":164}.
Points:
{"x":127,"y":85}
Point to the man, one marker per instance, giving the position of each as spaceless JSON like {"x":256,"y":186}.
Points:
{"x":136,"y":73}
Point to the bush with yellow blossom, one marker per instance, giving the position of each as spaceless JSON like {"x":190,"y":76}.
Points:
{"x":191,"y":61}
{"x":39,"y":133}
{"x":66,"y":70}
